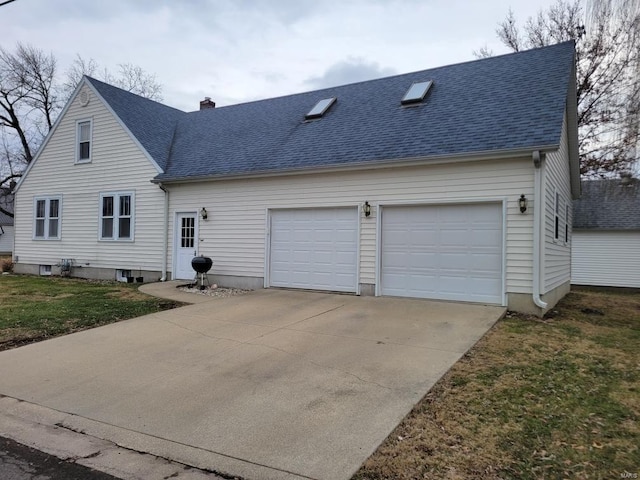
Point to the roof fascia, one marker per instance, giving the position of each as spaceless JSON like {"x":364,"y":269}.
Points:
{"x":50,"y":134}
{"x":409,"y":162}
{"x":124,"y":126}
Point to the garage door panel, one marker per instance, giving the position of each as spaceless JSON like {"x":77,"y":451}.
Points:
{"x":454,"y":238}
{"x":419,"y":237}
{"x":314,"y":249}
{"x":450,"y":252}
{"x":485,"y":263}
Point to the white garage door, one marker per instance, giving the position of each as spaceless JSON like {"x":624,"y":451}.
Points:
{"x":447,"y":252}
{"x":314,"y":249}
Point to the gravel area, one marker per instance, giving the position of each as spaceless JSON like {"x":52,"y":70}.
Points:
{"x":220,"y":292}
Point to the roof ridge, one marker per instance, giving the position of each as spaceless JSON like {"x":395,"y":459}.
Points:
{"x":390,"y":77}
{"x":127,"y":92}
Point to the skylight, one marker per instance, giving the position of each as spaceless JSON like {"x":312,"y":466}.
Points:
{"x":416,"y":92}
{"x":320,"y":108}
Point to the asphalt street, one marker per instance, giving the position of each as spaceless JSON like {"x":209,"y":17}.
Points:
{"x":19,"y":462}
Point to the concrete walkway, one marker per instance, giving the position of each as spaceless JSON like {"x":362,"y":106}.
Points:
{"x":274,"y":384}
{"x":170,"y":291}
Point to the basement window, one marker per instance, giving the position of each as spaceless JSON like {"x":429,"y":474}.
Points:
{"x":45,"y":270}
{"x":121,"y":275}
{"x":320,"y":108}
{"x":416,"y":93}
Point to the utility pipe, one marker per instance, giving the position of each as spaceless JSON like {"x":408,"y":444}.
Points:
{"x":538,"y":202}
{"x":165,"y":240}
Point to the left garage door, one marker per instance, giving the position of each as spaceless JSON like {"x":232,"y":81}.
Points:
{"x":314,"y":249}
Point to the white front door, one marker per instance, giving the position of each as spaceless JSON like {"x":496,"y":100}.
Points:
{"x":186,"y":242}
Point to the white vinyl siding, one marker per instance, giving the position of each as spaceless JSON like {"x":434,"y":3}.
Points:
{"x":83,"y":141}
{"x":556,"y":269}
{"x":47,"y":212}
{"x":234,"y":236}
{"x":117,"y":165}
{"x":606,"y":258}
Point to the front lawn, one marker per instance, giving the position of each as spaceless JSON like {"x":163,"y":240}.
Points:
{"x":36,"y":308}
{"x":534,"y":399}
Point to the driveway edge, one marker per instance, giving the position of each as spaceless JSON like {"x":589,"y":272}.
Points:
{"x":43,"y":429}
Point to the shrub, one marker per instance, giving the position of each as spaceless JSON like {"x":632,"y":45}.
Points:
{"x":6,"y":265}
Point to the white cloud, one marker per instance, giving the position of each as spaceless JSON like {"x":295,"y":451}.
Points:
{"x":349,"y":71}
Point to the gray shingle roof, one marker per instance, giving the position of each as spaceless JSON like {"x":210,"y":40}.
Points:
{"x":514,"y":101}
{"x":608,"y":205}
{"x":152,"y":123}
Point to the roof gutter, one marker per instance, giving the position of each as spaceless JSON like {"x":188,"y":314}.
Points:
{"x":538,"y":164}
{"x":386,"y":163}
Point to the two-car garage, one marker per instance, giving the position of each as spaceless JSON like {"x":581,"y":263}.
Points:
{"x":443,"y":251}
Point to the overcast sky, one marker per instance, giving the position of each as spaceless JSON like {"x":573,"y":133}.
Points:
{"x":242,"y":50}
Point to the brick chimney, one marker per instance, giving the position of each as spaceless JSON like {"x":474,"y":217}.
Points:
{"x":207,"y":103}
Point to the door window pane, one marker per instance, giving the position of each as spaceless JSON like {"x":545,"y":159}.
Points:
{"x":187,"y":232}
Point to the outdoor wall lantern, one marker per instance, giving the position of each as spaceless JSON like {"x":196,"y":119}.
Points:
{"x":366,"y":208}
{"x":523,"y":203}
{"x":203,"y":213}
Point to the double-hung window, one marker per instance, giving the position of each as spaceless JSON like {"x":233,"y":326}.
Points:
{"x":556,"y":217}
{"x":83,"y":141}
{"x":47,"y":212}
{"x":566,"y":224}
{"x":560,"y":219}
{"x":116,"y":216}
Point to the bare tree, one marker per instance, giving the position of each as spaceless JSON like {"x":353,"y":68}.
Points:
{"x":31,"y":97}
{"x":622,"y":9}
{"x":28,"y":105}
{"x":607,"y":59}
{"x":129,"y":77}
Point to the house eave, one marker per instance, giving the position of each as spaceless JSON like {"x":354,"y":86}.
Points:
{"x":524,"y":153}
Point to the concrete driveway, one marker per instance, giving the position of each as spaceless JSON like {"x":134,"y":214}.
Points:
{"x":274,"y":384}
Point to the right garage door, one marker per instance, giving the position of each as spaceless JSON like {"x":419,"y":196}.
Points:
{"x":446,"y":252}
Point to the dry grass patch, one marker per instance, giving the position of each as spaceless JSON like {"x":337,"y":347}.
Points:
{"x":552,"y":398}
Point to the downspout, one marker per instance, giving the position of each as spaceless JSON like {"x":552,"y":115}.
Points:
{"x":165,"y":239}
{"x":538,"y":164}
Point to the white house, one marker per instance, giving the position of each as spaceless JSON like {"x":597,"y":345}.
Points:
{"x":6,"y":224}
{"x":454,"y":183}
{"x":606,"y":239}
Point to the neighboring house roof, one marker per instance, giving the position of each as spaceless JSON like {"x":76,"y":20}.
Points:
{"x":152,"y":123}
{"x":608,"y":205}
{"x":498,"y":104}
{"x":6,"y":202}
